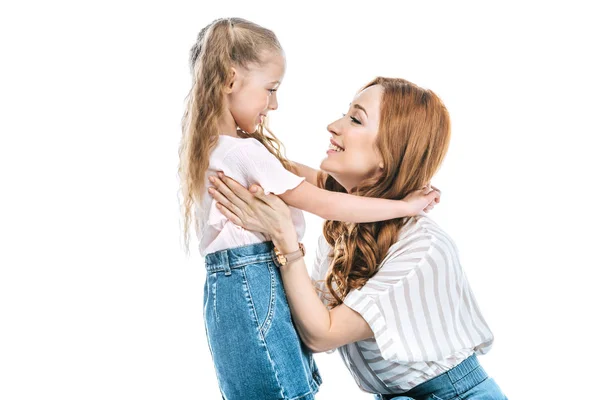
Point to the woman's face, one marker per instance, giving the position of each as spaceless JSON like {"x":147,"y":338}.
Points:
{"x":355,"y":133}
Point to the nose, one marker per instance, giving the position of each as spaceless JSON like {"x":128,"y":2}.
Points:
{"x":273,"y":105}
{"x":333,"y":128}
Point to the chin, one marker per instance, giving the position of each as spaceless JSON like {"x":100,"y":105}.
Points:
{"x":326,"y":167}
{"x":251,"y":129}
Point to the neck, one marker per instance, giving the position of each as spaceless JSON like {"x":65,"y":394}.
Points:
{"x":227,"y":125}
{"x":348,"y":184}
{"x":352,"y":181}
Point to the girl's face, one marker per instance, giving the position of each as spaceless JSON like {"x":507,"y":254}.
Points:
{"x":355,"y":133}
{"x":254,"y":92}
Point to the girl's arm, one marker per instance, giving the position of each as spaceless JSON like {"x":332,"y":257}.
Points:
{"x":311,"y":174}
{"x":307,"y":172}
{"x":336,"y":206}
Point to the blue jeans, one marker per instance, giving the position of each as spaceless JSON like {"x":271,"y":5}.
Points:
{"x":255,"y":348}
{"x":466,"y":381}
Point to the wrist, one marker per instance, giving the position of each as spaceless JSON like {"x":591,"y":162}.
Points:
{"x":403,"y":208}
{"x":282,"y":259}
{"x":286,"y":239}
{"x":286,"y":243}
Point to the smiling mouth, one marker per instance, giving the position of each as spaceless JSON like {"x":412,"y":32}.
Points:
{"x":335,"y":148}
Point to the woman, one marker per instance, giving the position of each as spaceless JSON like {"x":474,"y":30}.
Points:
{"x":391,"y":295}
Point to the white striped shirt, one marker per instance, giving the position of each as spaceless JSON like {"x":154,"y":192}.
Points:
{"x":420,"y":307}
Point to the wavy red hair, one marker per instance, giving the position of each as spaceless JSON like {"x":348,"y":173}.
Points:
{"x":413,"y":139}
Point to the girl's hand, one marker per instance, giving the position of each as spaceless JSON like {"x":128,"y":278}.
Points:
{"x":423,"y":199}
{"x":252,"y":211}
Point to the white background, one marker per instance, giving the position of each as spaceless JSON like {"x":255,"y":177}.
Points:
{"x":98,"y":299}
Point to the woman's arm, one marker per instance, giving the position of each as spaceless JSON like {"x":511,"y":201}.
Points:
{"x":320,"y":329}
{"x":337,"y":206}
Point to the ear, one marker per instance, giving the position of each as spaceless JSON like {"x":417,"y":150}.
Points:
{"x":381,"y":165}
{"x":232,"y":81}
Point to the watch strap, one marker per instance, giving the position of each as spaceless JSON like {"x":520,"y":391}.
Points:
{"x":284,"y":259}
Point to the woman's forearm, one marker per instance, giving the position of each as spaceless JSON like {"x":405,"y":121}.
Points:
{"x":311,"y":317}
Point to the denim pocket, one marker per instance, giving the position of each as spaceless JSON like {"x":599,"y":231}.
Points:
{"x":260,"y":282}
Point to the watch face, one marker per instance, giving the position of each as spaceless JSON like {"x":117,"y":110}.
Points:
{"x":281,"y":259}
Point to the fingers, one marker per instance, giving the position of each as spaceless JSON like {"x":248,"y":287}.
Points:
{"x":229,"y":185}
{"x":259,"y":193}
{"x":433,"y":196}
{"x":431,"y":187}
{"x":224,"y":201}
{"x":429,"y":207}
{"x":230,"y":216}
{"x":232,"y":197}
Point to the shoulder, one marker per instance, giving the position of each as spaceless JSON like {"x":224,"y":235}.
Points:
{"x":253,"y":154}
{"x":421,"y":238}
{"x":242,"y":146}
{"x":247,"y":154}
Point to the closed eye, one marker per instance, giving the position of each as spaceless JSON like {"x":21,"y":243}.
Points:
{"x":353,"y":119}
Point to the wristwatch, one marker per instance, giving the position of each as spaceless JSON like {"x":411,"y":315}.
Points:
{"x":281,"y":260}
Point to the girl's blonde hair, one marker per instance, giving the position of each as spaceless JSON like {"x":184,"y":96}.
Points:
{"x":413,"y":138}
{"x":223,"y":44}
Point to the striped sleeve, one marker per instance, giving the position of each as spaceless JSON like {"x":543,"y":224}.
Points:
{"x":414,"y":303}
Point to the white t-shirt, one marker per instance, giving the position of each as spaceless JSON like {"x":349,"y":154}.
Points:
{"x":420,"y":307}
{"x":248,"y":162}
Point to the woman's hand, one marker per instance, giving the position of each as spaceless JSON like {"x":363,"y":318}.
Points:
{"x":253,"y":211}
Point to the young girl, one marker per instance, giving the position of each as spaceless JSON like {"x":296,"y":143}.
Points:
{"x":237,"y":69}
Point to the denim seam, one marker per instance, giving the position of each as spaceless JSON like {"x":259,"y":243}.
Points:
{"x":214,"y":287}
{"x":252,"y":307}
{"x":304,"y":396}
{"x":214,"y":270}
{"x":251,"y":259}
{"x":267,"y":323}
{"x":260,"y":336}
{"x":314,"y":389}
